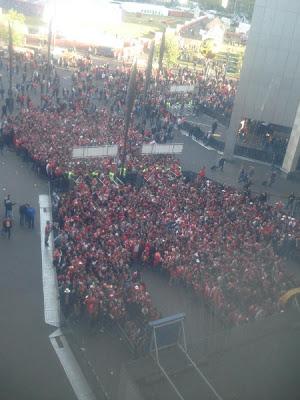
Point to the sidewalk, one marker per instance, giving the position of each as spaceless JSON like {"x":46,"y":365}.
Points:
{"x":197,"y":155}
{"x":29,"y":369}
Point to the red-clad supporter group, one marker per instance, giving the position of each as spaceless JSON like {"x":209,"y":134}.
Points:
{"x":226,"y":246}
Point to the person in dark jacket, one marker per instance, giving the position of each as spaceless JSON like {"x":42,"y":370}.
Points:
{"x":30,"y":215}
{"x":22,"y":212}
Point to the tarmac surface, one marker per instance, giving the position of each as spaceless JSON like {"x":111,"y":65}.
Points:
{"x":197,"y":155}
{"x":29,"y":369}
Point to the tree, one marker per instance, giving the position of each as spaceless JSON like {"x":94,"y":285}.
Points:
{"x":17,"y":22}
{"x":14,"y":17}
{"x":241,"y":6}
{"x":171,"y":50}
{"x":207,"y":48}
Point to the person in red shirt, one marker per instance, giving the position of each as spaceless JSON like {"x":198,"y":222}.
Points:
{"x":7,"y":225}
{"x":202,"y":172}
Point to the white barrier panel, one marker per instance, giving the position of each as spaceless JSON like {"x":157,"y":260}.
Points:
{"x":182,"y":88}
{"x":171,"y":148}
{"x":95,"y":151}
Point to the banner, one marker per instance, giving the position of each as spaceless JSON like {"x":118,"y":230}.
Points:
{"x":182,"y":88}
{"x":155,"y":148}
{"x":95,"y":152}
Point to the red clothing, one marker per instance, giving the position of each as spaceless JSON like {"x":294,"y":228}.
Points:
{"x":202,"y":173}
{"x":157,"y":258}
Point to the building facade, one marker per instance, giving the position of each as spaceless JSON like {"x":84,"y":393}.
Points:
{"x":269,"y":88}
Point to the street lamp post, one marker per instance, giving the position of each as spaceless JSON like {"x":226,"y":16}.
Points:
{"x":161,"y":53}
{"x":10,"y":52}
{"x":130,"y":97}
{"x":149,"y":68}
{"x":49,"y":54}
{"x":234,"y":7}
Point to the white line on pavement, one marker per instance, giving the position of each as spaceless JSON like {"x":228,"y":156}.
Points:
{"x":51,"y":301}
{"x":185,"y":133}
{"x":70,"y":366}
{"x":52,"y":309}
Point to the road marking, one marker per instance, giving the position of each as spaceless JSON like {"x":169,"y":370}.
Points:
{"x":52,"y":309}
{"x":50,"y":289}
{"x":252,"y":160}
{"x":70,"y":366}
{"x":185,"y":133}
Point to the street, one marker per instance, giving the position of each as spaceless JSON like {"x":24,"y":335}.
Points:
{"x":29,"y":368}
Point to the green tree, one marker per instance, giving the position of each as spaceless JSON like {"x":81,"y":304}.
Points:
{"x":171,"y":52}
{"x":207,"y":48}
{"x":17,"y":22}
{"x":14,"y":17}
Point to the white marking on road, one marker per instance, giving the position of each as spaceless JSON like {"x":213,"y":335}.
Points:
{"x":52,"y":309}
{"x":71,"y":367}
{"x":252,"y":160}
{"x":200,"y":142}
{"x":50,"y":289}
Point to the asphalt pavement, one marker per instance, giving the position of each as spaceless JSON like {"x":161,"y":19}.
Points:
{"x":196,"y":155}
{"x":29,"y":368}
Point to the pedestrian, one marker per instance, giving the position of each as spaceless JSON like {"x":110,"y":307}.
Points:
{"x":48,"y":229}
{"x":272,"y":178}
{"x":242,"y":175}
{"x":22,"y":212}
{"x":214,"y":127}
{"x":7,"y":225}
{"x":4,"y":111}
{"x":221,"y":164}
{"x":30,"y":215}
{"x":290,"y":203}
{"x":8,"y":204}
{"x":202,"y":173}
{"x":1,"y":144}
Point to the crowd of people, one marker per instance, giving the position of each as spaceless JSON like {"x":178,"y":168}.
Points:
{"x":212,"y":94}
{"x":227,"y":246}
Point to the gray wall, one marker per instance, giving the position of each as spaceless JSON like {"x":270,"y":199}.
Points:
{"x":269,"y":88}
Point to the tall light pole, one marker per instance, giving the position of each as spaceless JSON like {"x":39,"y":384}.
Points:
{"x":234,"y":7}
{"x":161,"y":52}
{"x":10,"y":52}
{"x":130,"y":98}
{"x":49,"y":54}
{"x":149,"y":68}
